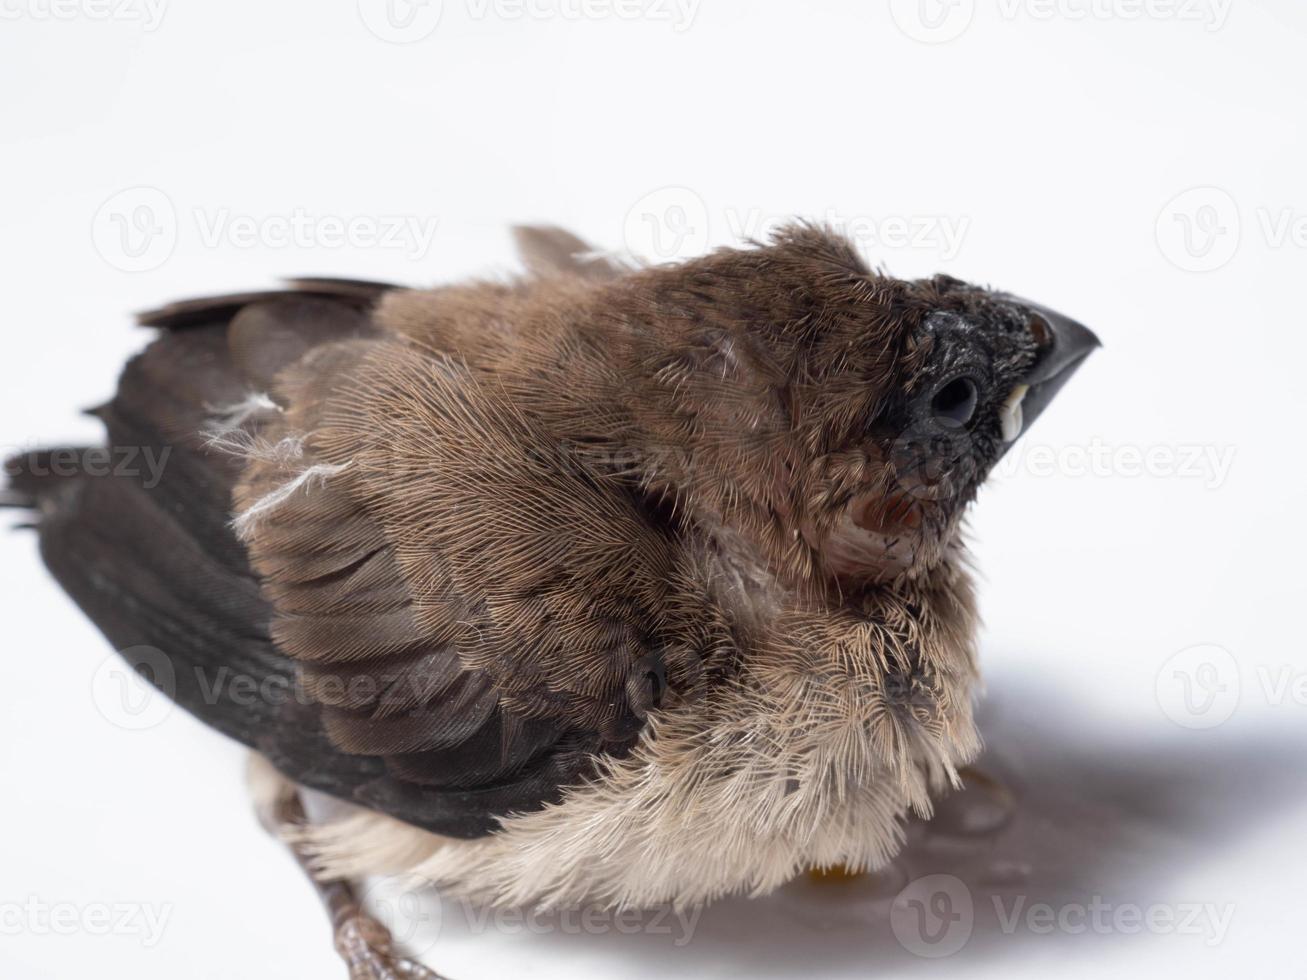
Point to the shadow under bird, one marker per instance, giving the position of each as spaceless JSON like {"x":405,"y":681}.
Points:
{"x":611,"y":585}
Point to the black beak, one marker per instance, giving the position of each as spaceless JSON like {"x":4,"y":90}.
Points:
{"x":1064,"y":345}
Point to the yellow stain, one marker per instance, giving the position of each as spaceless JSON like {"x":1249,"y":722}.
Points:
{"x":834,"y":875}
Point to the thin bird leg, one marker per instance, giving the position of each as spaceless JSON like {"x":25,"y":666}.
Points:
{"x":363,"y":943}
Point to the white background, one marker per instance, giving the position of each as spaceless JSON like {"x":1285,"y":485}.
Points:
{"x":1135,"y":163}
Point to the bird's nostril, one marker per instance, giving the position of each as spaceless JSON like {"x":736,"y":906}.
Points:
{"x":1041,"y":331}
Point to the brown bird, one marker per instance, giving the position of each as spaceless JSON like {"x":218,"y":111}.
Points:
{"x":610,"y":585}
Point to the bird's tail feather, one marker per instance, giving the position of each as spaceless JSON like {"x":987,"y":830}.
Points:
{"x":137,"y":531}
{"x":27,"y":478}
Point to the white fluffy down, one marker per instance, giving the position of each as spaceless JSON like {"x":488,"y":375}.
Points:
{"x":783,"y":777}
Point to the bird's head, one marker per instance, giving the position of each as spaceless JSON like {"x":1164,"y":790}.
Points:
{"x":834,"y":421}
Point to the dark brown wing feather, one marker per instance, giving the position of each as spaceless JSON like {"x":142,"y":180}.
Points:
{"x":448,"y":643}
{"x":357,"y":294}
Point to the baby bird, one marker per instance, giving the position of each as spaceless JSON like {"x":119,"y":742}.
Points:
{"x":606,"y":584}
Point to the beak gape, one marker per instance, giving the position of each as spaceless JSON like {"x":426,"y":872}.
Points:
{"x":1065,"y":345}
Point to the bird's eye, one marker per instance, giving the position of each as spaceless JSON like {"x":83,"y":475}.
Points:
{"x":955,"y":403}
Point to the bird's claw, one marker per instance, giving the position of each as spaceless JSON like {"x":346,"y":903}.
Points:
{"x":368,"y":950}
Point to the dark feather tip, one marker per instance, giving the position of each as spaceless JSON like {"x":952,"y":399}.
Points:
{"x":22,"y":501}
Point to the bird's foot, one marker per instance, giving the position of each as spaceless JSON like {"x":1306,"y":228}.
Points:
{"x":368,"y":950}
{"x":836,"y":874}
